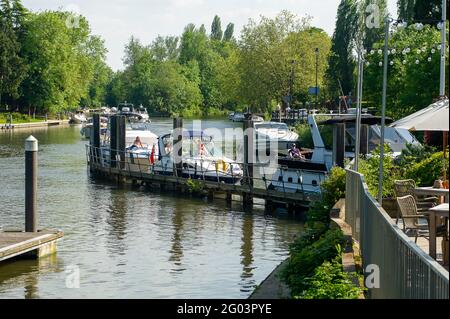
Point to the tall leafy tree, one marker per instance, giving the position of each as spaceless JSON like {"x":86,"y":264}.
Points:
{"x":413,"y":78}
{"x":216,"y":29}
{"x":405,"y":9}
{"x":421,"y":10}
{"x":12,"y":67}
{"x":341,"y":61}
{"x":428,"y":10}
{"x":59,"y":60}
{"x":229,"y":31}
{"x":373,"y":13}
{"x":270,"y":50}
{"x":165,"y":48}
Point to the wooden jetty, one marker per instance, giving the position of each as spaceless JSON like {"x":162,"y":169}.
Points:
{"x":7,"y":126}
{"x":119,"y":167}
{"x":27,"y":244}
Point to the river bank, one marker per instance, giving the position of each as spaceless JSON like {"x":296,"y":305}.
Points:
{"x":8,"y":127}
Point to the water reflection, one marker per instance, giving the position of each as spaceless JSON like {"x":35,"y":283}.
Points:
{"x":117,"y":220}
{"x":27,"y":273}
{"x":247,"y":252}
{"x":132,"y":243}
{"x":176,"y":250}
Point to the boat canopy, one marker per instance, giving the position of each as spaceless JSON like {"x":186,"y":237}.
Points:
{"x":192,"y":134}
{"x":365,"y":119}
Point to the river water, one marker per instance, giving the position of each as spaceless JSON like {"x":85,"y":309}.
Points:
{"x":131,"y":243}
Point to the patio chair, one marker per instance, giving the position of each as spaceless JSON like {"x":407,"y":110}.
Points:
{"x":412,"y":219}
{"x":406,"y":187}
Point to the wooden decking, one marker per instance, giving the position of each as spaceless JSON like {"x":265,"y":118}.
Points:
{"x":13,"y":244}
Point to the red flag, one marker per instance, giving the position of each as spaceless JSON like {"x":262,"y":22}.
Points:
{"x":152,"y":155}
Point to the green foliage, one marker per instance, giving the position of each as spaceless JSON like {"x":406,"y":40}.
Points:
{"x":333,"y":188}
{"x":330,"y":282}
{"x":341,"y":63}
{"x":372,"y":35}
{"x":274,"y":49}
{"x":65,"y":64}
{"x":216,"y":29}
{"x":304,"y":135}
{"x":413,"y":154}
{"x":17,"y":118}
{"x":12,"y":66}
{"x":421,"y":10}
{"x":370,"y":167}
{"x":411,"y":86}
{"x":425,"y":172}
{"x":194,"y":187}
{"x":229,"y":31}
{"x":307,"y":256}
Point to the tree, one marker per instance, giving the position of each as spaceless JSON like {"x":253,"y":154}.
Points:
{"x":228,"y":35}
{"x":270,"y":50}
{"x":12,"y":67}
{"x":341,"y":62}
{"x":216,"y":29}
{"x":405,"y":9}
{"x":372,"y":31}
{"x":60,"y":62}
{"x":172,"y":91}
{"x":420,"y":10}
{"x":413,"y":76}
{"x":165,"y":48}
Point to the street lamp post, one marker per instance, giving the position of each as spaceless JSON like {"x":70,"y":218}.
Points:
{"x":359,"y":109}
{"x":317,"y":78}
{"x":443,"y":48}
{"x":383,"y":109}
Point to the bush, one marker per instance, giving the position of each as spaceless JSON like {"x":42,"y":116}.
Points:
{"x":428,"y":170}
{"x":413,"y":154}
{"x":307,"y":255}
{"x":194,"y":187}
{"x":333,"y":188}
{"x":304,"y":135}
{"x":370,"y":168}
{"x":330,"y":282}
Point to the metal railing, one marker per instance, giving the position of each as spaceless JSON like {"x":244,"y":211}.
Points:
{"x":405,"y":270}
{"x":130,"y":163}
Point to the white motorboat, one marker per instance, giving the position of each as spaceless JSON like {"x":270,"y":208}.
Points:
{"x":200,"y":158}
{"x":142,"y":111}
{"x":269,"y":132}
{"x":86,"y":127}
{"x":238,"y":117}
{"x":77,"y":118}
{"x":306,"y":174}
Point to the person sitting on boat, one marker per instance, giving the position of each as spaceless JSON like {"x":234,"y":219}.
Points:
{"x":201,"y":148}
{"x":137,"y":143}
{"x":294,"y":152}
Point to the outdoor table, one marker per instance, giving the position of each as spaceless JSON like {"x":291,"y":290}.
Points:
{"x":431,"y":191}
{"x":437,"y":211}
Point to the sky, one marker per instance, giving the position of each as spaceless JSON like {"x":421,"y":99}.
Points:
{"x":117,"y":20}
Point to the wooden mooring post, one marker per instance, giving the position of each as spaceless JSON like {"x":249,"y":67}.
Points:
{"x":31,"y":149}
{"x":339,"y":144}
{"x":249,"y":158}
{"x":32,"y":243}
{"x":364,"y":143}
{"x":178,"y":146}
{"x":117,"y":141}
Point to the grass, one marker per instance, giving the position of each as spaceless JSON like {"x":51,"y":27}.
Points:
{"x":18,"y":118}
